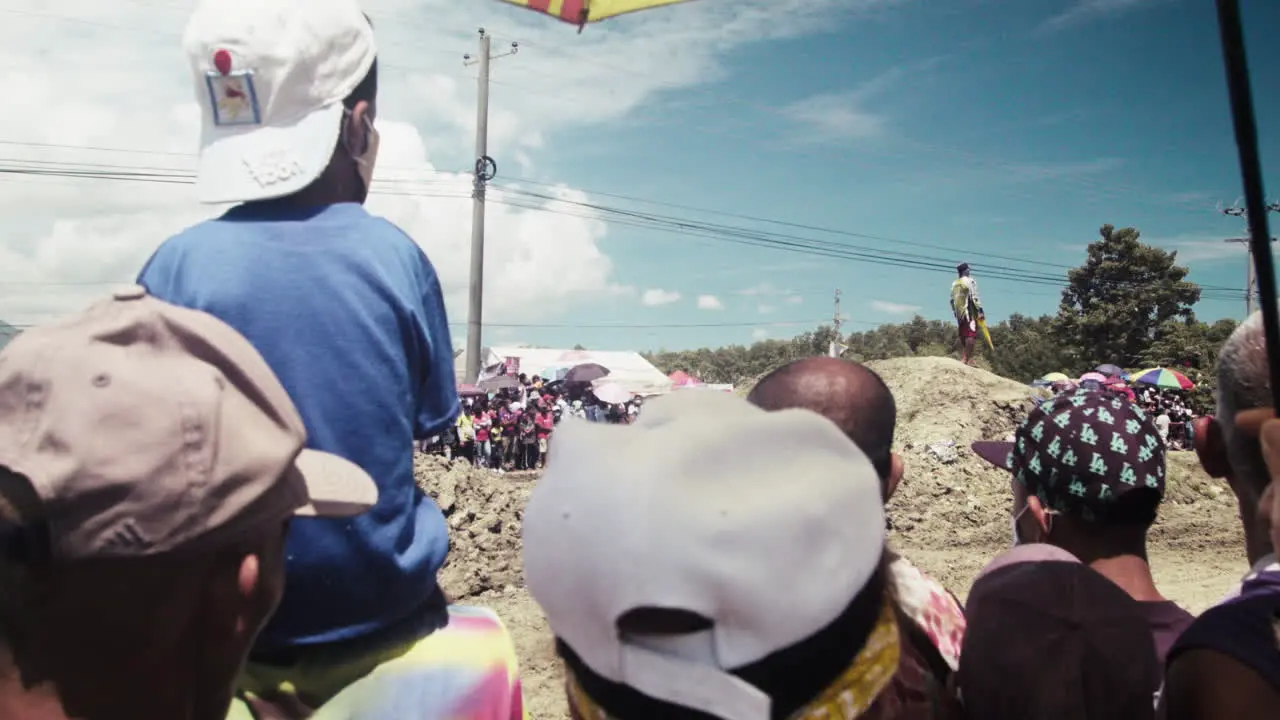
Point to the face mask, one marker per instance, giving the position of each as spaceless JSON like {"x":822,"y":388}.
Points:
{"x":1017,"y":540}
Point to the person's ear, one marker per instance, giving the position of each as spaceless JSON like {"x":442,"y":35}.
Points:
{"x":1211,"y":447}
{"x":896,"y":470}
{"x":1037,"y":511}
{"x":248,"y":587}
{"x":356,"y":131}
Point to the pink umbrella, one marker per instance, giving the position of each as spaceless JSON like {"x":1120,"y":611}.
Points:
{"x":1095,"y":377}
{"x":611,"y":392}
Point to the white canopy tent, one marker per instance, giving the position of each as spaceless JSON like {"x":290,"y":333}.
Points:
{"x":627,"y":369}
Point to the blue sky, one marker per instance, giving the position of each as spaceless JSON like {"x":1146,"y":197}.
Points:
{"x":999,"y":132}
{"x":975,"y":126}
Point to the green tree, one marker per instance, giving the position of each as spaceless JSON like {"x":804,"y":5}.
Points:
{"x":1115,"y":305}
{"x":1025,"y":348}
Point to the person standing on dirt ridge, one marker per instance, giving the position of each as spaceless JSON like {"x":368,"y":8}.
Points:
{"x":1226,"y":664}
{"x":860,"y":404}
{"x":1089,"y":476}
{"x":348,"y":310}
{"x":966,"y":305}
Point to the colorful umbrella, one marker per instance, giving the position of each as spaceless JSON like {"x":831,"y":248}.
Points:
{"x":1054,"y":377}
{"x":1164,"y":378}
{"x":581,"y":12}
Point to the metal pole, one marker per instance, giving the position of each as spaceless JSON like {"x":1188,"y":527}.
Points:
{"x":1251,"y":286}
{"x":475,"y":323}
{"x":835,"y":346}
{"x":1246,"y":132}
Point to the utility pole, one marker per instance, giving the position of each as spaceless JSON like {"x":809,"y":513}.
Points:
{"x":1251,"y":280}
{"x":836,"y":320}
{"x":485,"y":170}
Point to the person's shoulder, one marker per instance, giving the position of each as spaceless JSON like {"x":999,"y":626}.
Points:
{"x":210,"y":229}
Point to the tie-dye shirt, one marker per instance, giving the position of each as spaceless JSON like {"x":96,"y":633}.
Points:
{"x":935,"y":610}
{"x":467,"y":670}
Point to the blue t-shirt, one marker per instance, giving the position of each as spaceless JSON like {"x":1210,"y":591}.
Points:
{"x":347,"y":310}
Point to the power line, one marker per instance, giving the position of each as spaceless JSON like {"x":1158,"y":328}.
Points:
{"x":619,"y":216}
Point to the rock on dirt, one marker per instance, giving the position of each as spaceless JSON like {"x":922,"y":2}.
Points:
{"x":950,"y":514}
{"x":484,"y":511}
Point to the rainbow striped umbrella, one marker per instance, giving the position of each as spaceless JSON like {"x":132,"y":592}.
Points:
{"x":1164,"y":378}
{"x":581,"y":12}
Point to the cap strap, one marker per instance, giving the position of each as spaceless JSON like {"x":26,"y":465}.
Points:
{"x":693,"y":685}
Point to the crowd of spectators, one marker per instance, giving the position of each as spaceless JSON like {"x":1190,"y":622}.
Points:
{"x":208,"y":510}
{"x":511,"y":427}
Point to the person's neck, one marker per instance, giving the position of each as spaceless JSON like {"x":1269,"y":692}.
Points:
{"x":1132,"y":573}
{"x":102,"y":693}
{"x":38,"y":703}
{"x":316,"y":195}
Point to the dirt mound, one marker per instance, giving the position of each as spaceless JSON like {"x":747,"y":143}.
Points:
{"x":484,"y":510}
{"x":950,"y":514}
{"x":950,"y":498}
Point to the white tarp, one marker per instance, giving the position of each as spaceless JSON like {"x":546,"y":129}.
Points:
{"x":626,"y":368}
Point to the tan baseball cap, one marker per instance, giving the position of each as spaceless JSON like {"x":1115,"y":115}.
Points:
{"x":145,"y":428}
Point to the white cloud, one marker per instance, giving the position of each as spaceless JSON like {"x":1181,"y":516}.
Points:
{"x":844,"y":115}
{"x":709,"y":302}
{"x":1079,"y":12}
{"x":657,"y":296}
{"x":894,"y":308}
{"x":759,"y":334}
{"x":794,"y":300}
{"x":1203,"y":249}
{"x":834,"y":116}
{"x":764,"y":289}
{"x":109,"y":74}
{"x":764,"y":309}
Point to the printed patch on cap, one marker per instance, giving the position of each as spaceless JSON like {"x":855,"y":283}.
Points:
{"x":233,"y":98}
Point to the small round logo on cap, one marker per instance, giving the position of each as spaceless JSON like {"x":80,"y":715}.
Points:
{"x":222,"y":61}
{"x":130,"y":292}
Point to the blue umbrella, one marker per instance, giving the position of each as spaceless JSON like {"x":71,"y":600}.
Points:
{"x":554,"y":373}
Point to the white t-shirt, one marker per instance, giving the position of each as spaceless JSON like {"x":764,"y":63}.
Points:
{"x":1162,"y":425}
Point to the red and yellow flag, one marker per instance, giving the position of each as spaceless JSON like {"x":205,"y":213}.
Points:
{"x":581,"y":12}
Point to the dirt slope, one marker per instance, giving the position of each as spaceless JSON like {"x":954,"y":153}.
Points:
{"x":950,"y":515}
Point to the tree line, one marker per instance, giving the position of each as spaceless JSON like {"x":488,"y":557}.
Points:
{"x":1129,"y":304}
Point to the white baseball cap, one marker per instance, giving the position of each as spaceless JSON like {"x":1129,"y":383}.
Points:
{"x":767,"y":523}
{"x":270,"y":78}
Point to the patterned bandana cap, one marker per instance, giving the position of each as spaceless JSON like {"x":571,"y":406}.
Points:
{"x":1079,"y":452}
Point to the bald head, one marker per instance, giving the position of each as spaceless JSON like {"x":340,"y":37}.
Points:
{"x":846,"y":393}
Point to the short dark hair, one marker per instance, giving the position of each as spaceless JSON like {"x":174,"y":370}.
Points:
{"x":867,"y":418}
{"x":367,"y":90}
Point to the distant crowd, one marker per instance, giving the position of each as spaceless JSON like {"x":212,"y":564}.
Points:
{"x":208,"y":507}
{"x":511,"y":427}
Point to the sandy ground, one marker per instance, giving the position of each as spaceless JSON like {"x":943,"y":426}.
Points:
{"x":950,"y":516}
